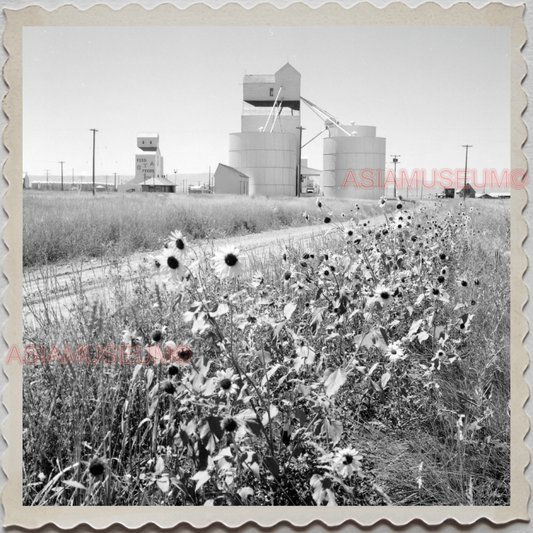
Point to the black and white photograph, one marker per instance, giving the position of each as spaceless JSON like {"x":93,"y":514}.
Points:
{"x":267,"y":265}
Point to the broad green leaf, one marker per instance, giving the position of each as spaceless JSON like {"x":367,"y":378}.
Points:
{"x":335,"y":381}
{"x":307,"y":353}
{"x":385,"y":379}
{"x":422,"y":336}
{"x":201,"y":478}
{"x":333,"y":429}
{"x":209,"y":387}
{"x":273,"y":412}
{"x":289,"y":310}
{"x":163,"y":483}
{"x":159,"y":465}
{"x":220,"y":310}
{"x":414,"y":327}
{"x":245,"y":493}
{"x":300,"y":415}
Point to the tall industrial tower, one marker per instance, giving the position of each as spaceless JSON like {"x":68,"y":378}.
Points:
{"x":148,"y":162}
{"x":266,"y":148}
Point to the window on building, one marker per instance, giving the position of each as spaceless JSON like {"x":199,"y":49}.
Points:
{"x":271,"y":91}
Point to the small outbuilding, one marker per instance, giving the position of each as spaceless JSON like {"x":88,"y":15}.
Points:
{"x":229,"y":180}
{"x":158,"y":185}
{"x":467,"y":191}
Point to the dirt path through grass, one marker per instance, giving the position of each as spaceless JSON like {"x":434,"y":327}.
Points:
{"x":53,"y":290}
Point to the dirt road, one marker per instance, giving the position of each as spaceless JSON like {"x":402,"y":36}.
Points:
{"x":54,"y":290}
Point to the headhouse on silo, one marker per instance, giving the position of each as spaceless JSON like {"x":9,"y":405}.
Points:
{"x":266,"y":148}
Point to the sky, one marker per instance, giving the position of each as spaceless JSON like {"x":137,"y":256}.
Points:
{"x":428,"y":91}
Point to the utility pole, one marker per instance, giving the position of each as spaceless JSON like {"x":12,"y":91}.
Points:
{"x":61,"y":163}
{"x":94,"y":138}
{"x":175,"y":179}
{"x":395,"y":160}
{"x":115,"y":182}
{"x":299,"y":162}
{"x":47,"y":186}
{"x":72,"y":178}
{"x":467,"y":146}
{"x":209,"y":178}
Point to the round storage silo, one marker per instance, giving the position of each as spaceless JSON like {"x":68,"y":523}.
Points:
{"x":268,"y":159}
{"x":354,"y":163}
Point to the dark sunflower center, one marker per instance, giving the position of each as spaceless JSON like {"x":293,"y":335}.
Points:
{"x":225,"y":383}
{"x":157,"y":264}
{"x":230,"y":424}
{"x":436,"y":292}
{"x":385,"y":295}
{"x":180,"y":245}
{"x":464,"y":283}
{"x":173,"y":263}
{"x":348,"y":459}
{"x":230,"y":259}
{"x":96,"y":469}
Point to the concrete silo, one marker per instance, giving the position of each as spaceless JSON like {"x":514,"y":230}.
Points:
{"x":354,"y":162}
{"x":266,"y":148}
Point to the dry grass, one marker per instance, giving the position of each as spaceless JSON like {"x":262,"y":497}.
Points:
{"x":61,"y":227}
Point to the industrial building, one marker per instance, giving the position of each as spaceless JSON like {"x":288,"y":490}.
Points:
{"x":268,"y":149}
{"x":265,"y":149}
{"x":149,"y":173}
{"x":229,"y":180}
{"x":354,"y":162}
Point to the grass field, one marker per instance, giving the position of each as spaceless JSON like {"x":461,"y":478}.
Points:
{"x":369,"y":367}
{"x":61,"y":227}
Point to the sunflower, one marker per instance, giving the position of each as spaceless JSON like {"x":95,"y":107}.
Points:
{"x":229,"y":424}
{"x":97,"y":467}
{"x":349,"y":233}
{"x":178,"y":243}
{"x":171,"y":264}
{"x":395,"y":352}
{"x":347,"y":461}
{"x":226,"y":380}
{"x":226,"y":263}
{"x":168,"y":387}
{"x":383,"y":294}
{"x":382,"y":202}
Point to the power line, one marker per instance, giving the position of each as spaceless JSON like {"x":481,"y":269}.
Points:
{"x":94,"y":139}
{"x":467,"y":146}
{"x":395,"y":160}
{"x":61,"y":163}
